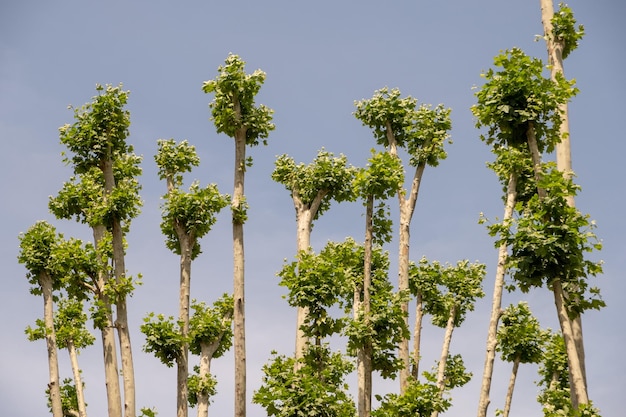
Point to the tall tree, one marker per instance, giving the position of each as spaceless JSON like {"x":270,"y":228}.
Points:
{"x":36,"y":253}
{"x":313,"y":187}
{"x":380,"y":180}
{"x":521,"y":109}
{"x":104,"y":193}
{"x":187,"y":217}
{"x":234,"y":113}
{"x":562,"y":36}
{"x":520,"y":340}
{"x":422,"y":132}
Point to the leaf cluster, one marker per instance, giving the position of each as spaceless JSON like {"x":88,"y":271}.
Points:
{"x":173,"y":159}
{"x":520,"y":336}
{"x":200,"y":385}
{"x":317,"y":388}
{"x":517,"y":96}
{"x":421,"y":130}
{"x":100,"y":130}
{"x":326,"y":178}
{"x":419,"y":399}
{"x":211,"y":324}
{"x":565,"y":31}
{"x":233,"y":107}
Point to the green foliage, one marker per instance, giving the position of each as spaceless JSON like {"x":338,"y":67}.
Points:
{"x":317,"y":388}
{"x":455,"y":375}
{"x":422,"y":131}
{"x":147,"y":412}
{"x":163,"y":338}
{"x":194,"y":212}
{"x":551,"y":239}
{"x":564,"y":29}
{"x":100,"y":130}
{"x":520,"y":336}
{"x":175,"y":158}
{"x":239,"y":210}
{"x":419,"y":399}
{"x":519,"y":95}
{"x":327,"y":177}
{"x":209,"y":325}
{"x":233,"y":106}
{"x":447,"y":287}
{"x":200,"y":385}
{"x":69,"y":399}
{"x":69,"y":325}
{"x":513,"y":161}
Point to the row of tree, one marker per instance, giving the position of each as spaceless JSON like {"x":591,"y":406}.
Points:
{"x":342,"y":294}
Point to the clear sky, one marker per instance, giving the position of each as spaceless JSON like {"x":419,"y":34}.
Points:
{"x":319,"y":58}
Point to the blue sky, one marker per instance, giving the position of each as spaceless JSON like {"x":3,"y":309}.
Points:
{"x":319,"y":58}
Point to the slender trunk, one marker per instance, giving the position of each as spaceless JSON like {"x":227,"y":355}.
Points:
{"x":496,"y":303}
{"x":407,"y":208}
{"x":239,"y":336}
{"x":121,"y":321}
{"x":78,"y":382}
{"x":509,"y":393}
{"x":111,"y":374}
{"x":417,"y":334}
{"x":578,"y":389}
{"x":445,"y":351}
{"x":563,"y":148}
{"x":364,"y":356}
{"x":182,"y":363}
{"x":45,"y":281}
{"x":304,"y":219}
{"x":207,"y":350}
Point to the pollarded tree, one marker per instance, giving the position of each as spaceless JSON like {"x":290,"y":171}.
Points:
{"x":71,"y":334}
{"x":422,"y":132}
{"x":520,"y":340}
{"x":460,"y":286}
{"x":562,"y":36}
{"x":104,"y":193}
{"x":210,"y":337}
{"x":37,"y":247}
{"x":313,"y":187}
{"x":187,"y":217}
{"x":522,"y":111}
{"x":381,"y":179}
{"x":234,"y":113}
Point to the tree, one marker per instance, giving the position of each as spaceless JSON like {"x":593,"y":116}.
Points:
{"x":104,"y":193}
{"x":380,"y":180}
{"x":313,"y":187}
{"x":459,"y":287}
{"x":234,"y":113}
{"x":187,"y":217}
{"x":562,"y":36}
{"x":521,"y":109}
{"x":422,"y":132}
{"x":37,"y":247}
{"x":520,"y":340}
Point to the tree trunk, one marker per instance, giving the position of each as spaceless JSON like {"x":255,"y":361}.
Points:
{"x":111,"y":373}
{"x":417,"y":334}
{"x":509,"y":393}
{"x":45,"y":281}
{"x":445,"y":350}
{"x":239,"y":336}
{"x":563,"y":148}
{"x":578,"y":387}
{"x":78,"y":382}
{"x":182,"y":363}
{"x":364,"y":355}
{"x":496,"y":304}
{"x":304,"y":218}
{"x":121,"y":321}
{"x":407,"y":208}
{"x":207,"y":350}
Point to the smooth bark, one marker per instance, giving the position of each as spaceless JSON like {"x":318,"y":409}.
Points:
{"x":78,"y":382}
{"x":496,"y":303}
{"x":445,"y":351}
{"x":509,"y":392}
{"x":45,"y":282}
{"x":563,"y":148}
{"x":182,"y":363}
{"x":417,"y":334}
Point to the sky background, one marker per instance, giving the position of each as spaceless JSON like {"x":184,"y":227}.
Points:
{"x":319,"y":58}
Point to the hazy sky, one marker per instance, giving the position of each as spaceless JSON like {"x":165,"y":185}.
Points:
{"x":319,"y":58}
